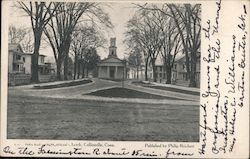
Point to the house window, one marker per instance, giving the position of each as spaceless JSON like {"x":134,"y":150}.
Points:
{"x":18,"y":57}
{"x":183,"y":66}
{"x":175,"y":66}
{"x":42,"y":60}
{"x":160,"y":68}
{"x":23,"y":59}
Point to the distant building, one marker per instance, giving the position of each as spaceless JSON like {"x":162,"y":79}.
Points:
{"x":179,"y":72}
{"x":112,"y":67}
{"x":160,"y":73}
{"x":19,"y":66}
{"x":136,"y":73}
{"x":15,"y":59}
{"x":43,"y":68}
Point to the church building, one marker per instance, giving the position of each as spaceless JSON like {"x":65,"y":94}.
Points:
{"x":112,"y":67}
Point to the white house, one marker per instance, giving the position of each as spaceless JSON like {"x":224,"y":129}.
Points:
{"x":27,"y":57}
{"x":15,"y":59}
{"x":179,"y":73}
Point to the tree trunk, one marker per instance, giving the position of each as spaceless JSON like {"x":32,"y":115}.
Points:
{"x":187,"y":65}
{"x":75,"y":66}
{"x":137,"y":72}
{"x":78,"y":69}
{"x":146,"y":72}
{"x":146,"y":69}
{"x":83,"y":70}
{"x":34,"y":67}
{"x":66,"y":60}
{"x":154,"y":69}
{"x":35,"y":58}
{"x":58,"y":69}
{"x":87,"y":72}
{"x":65,"y":68}
{"x":192,"y":80}
{"x":169,"y":74}
{"x":193,"y":70}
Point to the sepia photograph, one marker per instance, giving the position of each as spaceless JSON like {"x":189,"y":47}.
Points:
{"x":106,"y":71}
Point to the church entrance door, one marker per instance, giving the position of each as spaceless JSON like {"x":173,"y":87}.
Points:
{"x":112,"y":72}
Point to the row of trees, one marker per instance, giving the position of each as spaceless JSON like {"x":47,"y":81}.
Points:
{"x":68,"y":27}
{"x":165,"y":30}
{"x":86,"y":40}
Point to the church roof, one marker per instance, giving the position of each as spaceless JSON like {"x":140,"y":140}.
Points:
{"x":111,"y":59}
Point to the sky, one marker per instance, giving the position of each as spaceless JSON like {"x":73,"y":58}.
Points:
{"x":119,"y":14}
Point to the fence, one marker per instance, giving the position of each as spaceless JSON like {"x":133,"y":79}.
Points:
{"x":47,"y":78}
{"x":21,"y":79}
{"x":18,"y":79}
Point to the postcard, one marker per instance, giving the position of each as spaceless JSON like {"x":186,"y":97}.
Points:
{"x":125,"y":79}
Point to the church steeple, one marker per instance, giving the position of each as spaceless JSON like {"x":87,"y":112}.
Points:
{"x":112,"y":47}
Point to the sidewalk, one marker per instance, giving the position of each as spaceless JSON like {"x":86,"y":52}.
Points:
{"x":178,"y":87}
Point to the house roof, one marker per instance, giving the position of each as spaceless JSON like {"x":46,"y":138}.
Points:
{"x":179,"y":58}
{"x":14,"y":47}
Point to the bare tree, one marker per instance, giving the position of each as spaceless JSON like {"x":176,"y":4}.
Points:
{"x":171,"y":45}
{"x":28,"y":42}
{"x":40,"y":14}
{"x":144,"y":30}
{"x":190,"y":16}
{"x":61,"y":27}
{"x":22,"y":36}
{"x":135,"y":60}
{"x":84,"y":38}
{"x":187,"y":21}
{"x":136,"y":39}
{"x":16,"y":34}
{"x":91,"y":59}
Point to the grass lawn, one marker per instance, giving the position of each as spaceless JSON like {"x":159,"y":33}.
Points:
{"x":68,"y":84}
{"x":77,"y":119}
{"x":127,"y":93}
{"x":166,"y":88}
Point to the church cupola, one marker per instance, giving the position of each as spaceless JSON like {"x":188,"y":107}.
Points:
{"x":112,"y":47}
